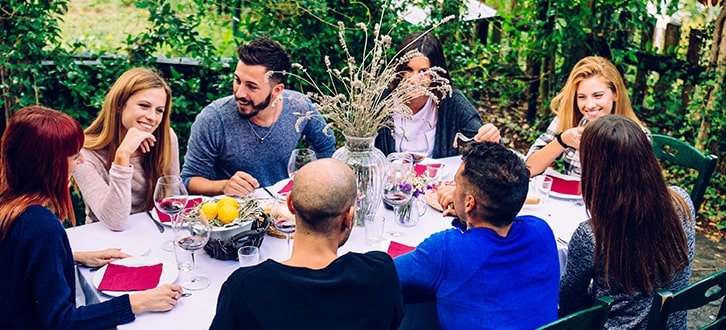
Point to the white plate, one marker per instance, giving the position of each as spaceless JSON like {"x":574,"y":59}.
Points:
{"x":169,"y":272}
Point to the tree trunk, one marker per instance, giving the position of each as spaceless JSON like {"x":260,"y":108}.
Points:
{"x":716,"y":62}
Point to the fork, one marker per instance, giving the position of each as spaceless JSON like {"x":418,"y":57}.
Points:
{"x":159,"y":226}
{"x":461,"y":137}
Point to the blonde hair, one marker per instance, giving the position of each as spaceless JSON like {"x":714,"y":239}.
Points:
{"x":564,"y":105}
{"x":106,"y":132}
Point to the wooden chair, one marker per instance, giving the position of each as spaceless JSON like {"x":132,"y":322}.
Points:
{"x":693,"y":296}
{"x":587,"y":319}
{"x":683,"y":154}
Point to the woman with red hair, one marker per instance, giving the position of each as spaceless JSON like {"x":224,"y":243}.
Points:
{"x":38,"y":153}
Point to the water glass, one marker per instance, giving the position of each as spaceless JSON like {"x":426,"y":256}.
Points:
{"x":545,"y":189}
{"x":248,"y":256}
{"x":374,"y":230}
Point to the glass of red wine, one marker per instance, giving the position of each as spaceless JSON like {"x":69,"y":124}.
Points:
{"x":284,"y":220}
{"x":170,"y":198}
{"x":192,"y":234}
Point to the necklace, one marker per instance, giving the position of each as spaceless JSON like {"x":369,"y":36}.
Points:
{"x":262,"y":138}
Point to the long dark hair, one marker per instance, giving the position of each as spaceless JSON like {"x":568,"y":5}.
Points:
{"x":639,"y":237}
{"x":34,"y":163}
{"x":429,"y":46}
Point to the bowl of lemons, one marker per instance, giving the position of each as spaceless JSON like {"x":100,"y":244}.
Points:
{"x":229,"y":215}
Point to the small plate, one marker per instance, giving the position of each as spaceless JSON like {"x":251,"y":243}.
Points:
{"x":169,"y":272}
{"x":433,"y":200}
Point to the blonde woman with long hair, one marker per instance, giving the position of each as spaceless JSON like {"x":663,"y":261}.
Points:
{"x":594,"y":88}
{"x":127,"y":147}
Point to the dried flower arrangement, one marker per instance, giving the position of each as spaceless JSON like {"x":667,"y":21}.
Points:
{"x":359,"y":107}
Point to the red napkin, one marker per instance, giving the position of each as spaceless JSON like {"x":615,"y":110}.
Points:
{"x":565,"y":186}
{"x":125,"y":278}
{"x":286,"y":188}
{"x":191,"y":202}
{"x":396,"y":249}
{"x":421,"y":169}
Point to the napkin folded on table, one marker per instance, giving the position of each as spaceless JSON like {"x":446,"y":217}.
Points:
{"x":565,"y":186}
{"x":191,"y":202}
{"x":127,"y":278}
{"x":286,"y":189}
{"x":396,"y":249}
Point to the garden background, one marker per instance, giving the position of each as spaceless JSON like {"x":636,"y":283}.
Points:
{"x":65,"y":54}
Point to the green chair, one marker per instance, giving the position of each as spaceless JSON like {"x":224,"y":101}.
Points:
{"x":683,"y":154}
{"x":587,"y":319}
{"x":693,"y":296}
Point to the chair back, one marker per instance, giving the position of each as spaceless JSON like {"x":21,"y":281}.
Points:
{"x":683,"y":154}
{"x":693,"y":296}
{"x":592,"y":318}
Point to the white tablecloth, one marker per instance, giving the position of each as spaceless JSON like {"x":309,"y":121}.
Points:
{"x":197,"y":310}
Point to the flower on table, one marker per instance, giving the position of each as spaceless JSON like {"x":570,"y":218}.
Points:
{"x":418,"y":182}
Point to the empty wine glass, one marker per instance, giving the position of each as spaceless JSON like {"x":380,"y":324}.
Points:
{"x":396,"y":191}
{"x":284,"y":221}
{"x":192,"y":235}
{"x":170,"y":198}
{"x":298,"y":158}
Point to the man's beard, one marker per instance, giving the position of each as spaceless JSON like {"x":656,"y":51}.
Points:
{"x":256,"y":108}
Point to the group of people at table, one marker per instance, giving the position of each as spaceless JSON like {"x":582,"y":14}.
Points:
{"x":492,"y":269}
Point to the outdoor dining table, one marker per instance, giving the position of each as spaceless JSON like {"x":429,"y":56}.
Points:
{"x":196,"y":311}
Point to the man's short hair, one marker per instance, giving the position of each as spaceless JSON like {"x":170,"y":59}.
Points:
{"x":498,"y":179}
{"x":323,"y":191}
{"x":268,"y":53}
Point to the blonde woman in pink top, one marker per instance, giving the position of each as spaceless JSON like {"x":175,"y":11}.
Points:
{"x":127,"y":147}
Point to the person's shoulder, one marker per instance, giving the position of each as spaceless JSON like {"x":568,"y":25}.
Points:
{"x":295,"y":99}
{"x":219,"y":108}
{"x":43,"y":220}
{"x":371,"y":259}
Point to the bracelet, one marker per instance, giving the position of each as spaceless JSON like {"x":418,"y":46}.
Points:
{"x":558,"y":136}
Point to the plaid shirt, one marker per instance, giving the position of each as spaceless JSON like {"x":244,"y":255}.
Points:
{"x":570,"y":157}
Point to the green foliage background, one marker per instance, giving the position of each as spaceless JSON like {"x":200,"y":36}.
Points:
{"x":36,"y":68}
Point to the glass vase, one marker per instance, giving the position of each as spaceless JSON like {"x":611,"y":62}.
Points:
{"x":408,"y":215}
{"x":369,"y":165}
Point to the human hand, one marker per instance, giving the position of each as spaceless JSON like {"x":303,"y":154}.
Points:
{"x":572,"y":136}
{"x":488,"y":132}
{"x":445,"y":194}
{"x":136,"y":139}
{"x":240,"y":184}
{"x":98,"y":258}
{"x":159,"y":299}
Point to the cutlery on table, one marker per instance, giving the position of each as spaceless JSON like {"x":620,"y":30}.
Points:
{"x":158,"y":224}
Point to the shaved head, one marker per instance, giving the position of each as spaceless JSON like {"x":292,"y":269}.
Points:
{"x":322,"y":192}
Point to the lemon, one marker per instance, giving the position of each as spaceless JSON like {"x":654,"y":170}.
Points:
{"x":226,"y":213}
{"x":209,"y":209}
{"x":226,"y":200}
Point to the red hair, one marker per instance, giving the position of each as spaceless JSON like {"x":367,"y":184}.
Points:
{"x":34,"y":155}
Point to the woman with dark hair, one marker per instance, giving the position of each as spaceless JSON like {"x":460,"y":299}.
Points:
{"x":39,"y":151}
{"x":435,"y":120}
{"x":127,"y":148}
{"x":640,"y":235}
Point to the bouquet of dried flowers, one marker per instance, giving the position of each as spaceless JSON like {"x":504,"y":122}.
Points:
{"x":355,"y":105}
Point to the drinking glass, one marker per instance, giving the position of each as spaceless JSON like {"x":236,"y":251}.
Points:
{"x":192,"y":235}
{"x":170,"y":198}
{"x":284,"y":221}
{"x":417,"y":146}
{"x":546,"y":188}
{"x":298,"y":158}
{"x":248,"y":256}
{"x":396,"y":191}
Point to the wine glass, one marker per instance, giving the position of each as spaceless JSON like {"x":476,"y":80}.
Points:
{"x":170,"y":198}
{"x":298,"y":158}
{"x":396,"y":191}
{"x":192,"y":235}
{"x":284,"y":221}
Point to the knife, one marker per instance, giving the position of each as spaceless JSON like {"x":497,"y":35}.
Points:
{"x":158,"y":225}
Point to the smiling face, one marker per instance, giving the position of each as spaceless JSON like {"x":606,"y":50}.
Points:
{"x":594,"y":98}
{"x":144,"y":110}
{"x":251,"y":91}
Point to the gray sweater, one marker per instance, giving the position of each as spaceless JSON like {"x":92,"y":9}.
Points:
{"x":582,"y":283}
{"x":222,"y":142}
